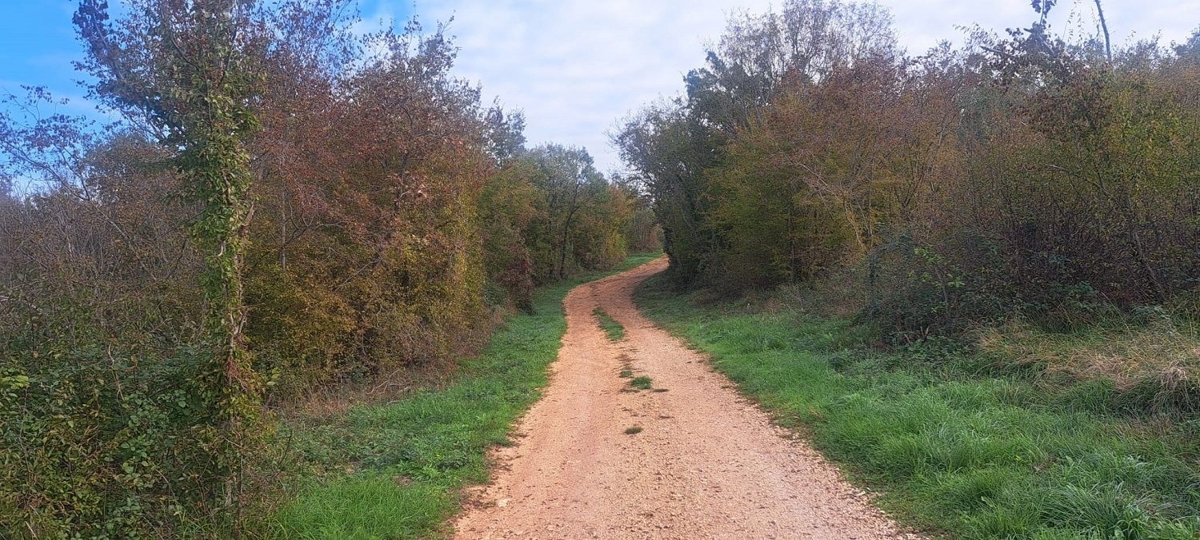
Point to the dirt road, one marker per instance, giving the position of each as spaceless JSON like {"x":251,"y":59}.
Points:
{"x":706,"y":464}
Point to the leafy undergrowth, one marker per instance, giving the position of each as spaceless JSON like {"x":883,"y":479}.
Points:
{"x":957,"y":444}
{"x":394,"y":470}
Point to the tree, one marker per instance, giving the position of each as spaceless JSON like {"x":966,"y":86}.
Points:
{"x":185,"y":70}
{"x":379,"y":157}
{"x":806,"y":41}
{"x":563,"y":175}
{"x":669,"y":150}
{"x":1189,"y":50}
{"x":505,"y":134}
{"x":548,"y":214}
{"x":509,"y":207}
{"x":760,"y":61}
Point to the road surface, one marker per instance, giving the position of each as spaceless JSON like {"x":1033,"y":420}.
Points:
{"x":706,"y":463}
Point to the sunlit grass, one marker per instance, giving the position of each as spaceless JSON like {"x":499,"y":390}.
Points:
{"x":366,"y":507}
{"x":953,"y":447}
{"x":394,"y":470}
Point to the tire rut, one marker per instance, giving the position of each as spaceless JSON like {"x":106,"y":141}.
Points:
{"x":705,"y":464}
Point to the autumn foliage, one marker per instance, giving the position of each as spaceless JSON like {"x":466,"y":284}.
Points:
{"x":286,"y":208}
{"x":1017,"y":175}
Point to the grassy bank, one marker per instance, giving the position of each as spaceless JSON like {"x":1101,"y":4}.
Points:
{"x":961,"y":444}
{"x":394,"y":470}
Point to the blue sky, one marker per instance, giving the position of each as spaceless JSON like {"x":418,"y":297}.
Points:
{"x":576,"y":66}
{"x":37,"y":45}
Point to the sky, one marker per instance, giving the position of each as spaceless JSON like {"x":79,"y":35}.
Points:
{"x":576,"y":67}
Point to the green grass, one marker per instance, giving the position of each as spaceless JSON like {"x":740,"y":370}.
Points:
{"x":633,"y":261}
{"x":956,"y":446}
{"x":612,"y":328}
{"x":641,"y":382}
{"x":393,"y":471}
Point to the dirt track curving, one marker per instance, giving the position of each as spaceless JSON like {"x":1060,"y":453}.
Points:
{"x":706,"y":464}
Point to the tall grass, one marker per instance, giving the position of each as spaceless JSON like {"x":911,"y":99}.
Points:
{"x":394,"y":470}
{"x":1147,"y":361}
{"x":955,"y":444}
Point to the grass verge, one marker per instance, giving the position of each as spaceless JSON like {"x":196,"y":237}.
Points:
{"x":955,"y":445}
{"x":394,"y":470}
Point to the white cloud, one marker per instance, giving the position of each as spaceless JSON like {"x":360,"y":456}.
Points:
{"x":576,"y":66}
{"x":922,"y":23}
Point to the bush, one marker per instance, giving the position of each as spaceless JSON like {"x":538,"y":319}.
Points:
{"x":105,"y":439}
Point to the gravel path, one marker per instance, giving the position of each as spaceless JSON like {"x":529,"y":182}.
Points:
{"x":706,"y":464}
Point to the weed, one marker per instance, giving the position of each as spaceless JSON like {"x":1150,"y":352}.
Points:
{"x":612,"y":328}
{"x":633,"y":430}
{"x":641,"y":382}
{"x":626,"y":366}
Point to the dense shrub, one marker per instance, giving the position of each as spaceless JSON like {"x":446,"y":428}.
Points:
{"x":1015,"y":176}
{"x":337,"y":210}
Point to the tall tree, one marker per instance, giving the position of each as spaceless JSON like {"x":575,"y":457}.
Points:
{"x":184,"y":69}
{"x":563,"y":173}
{"x":674,"y":147}
{"x":669,"y":148}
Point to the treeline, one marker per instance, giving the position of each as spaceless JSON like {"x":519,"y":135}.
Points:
{"x":285,"y":206}
{"x":1016,"y":175}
